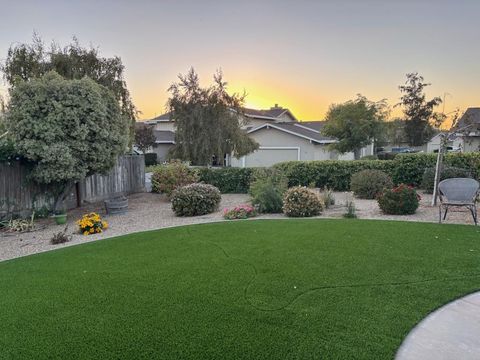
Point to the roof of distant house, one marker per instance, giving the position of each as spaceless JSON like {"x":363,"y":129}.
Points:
{"x":309,"y":130}
{"x":270,"y":114}
{"x":164,"y":137}
{"x":471,"y":116}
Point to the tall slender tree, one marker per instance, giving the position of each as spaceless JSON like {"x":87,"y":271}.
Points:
{"x":208,"y":121}
{"x":420,"y":117}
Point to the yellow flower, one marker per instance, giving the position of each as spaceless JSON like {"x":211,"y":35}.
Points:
{"x":85,"y":233}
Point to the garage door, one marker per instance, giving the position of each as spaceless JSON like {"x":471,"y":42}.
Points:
{"x":268,"y":157}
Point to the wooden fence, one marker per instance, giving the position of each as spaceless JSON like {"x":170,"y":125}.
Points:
{"x":20,"y":196}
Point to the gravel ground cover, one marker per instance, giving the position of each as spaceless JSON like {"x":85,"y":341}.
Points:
{"x":148,"y":211}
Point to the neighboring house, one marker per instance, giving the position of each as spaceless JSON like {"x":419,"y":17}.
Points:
{"x":289,"y":142}
{"x":469,"y":130}
{"x":280,"y":135}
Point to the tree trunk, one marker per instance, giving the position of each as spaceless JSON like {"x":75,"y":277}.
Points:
{"x":438,"y":168}
{"x":356,"y":154}
{"x":62,"y":196}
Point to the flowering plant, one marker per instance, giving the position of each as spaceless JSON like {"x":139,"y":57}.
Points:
{"x":91,"y":223}
{"x":400,"y":200}
{"x":239,"y":212}
{"x":300,"y":201}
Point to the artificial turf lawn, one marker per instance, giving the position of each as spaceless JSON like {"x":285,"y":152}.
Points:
{"x":277,"y":289}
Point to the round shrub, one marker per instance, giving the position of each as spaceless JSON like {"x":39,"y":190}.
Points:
{"x":367,"y":184}
{"x":166,"y":178}
{"x":195,"y":199}
{"x":401,"y":200}
{"x":300,"y":201}
{"x":447,"y":173}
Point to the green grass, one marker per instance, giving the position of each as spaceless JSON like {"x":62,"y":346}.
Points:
{"x":296,"y":289}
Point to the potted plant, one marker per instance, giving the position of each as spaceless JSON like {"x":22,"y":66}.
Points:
{"x":60,"y":217}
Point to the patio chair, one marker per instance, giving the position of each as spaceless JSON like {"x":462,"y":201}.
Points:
{"x":459,"y":192}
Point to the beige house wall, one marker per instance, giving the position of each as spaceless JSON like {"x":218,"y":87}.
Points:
{"x":162,"y":151}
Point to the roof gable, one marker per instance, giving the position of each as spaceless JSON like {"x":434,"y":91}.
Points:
{"x":299,"y":130}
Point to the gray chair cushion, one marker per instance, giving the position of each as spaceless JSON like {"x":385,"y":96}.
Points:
{"x":458,"y":191}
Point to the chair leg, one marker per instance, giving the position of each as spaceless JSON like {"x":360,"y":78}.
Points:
{"x":475,"y":215}
{"x":446,"y":211}
{"x":440,"y":214}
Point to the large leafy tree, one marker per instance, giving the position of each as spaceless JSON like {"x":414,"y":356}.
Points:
{"x":207,"y":120}
{"x":66,"y":129}
{"x":355,"y":124}
{"x":420,"y":117}
{"x":29,"y":61}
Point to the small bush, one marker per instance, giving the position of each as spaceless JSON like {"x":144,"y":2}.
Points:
{"x":166,"y":178}
{"x":401,"y":200}
{"x":350,"y":209}
{"x":267,"y":191}
{"x":300,"y":201}
{"x":327,"y":197}
{"x":195,"y":199}
{"x":367,"y":184}
{"x":150,"y":159}
{"x":240,"y":212}
{"x":91,"y":224}
{"x":447,"y":173}
{"x":60,"y":237}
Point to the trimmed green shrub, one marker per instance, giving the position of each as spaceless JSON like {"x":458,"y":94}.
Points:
{"x":386,"y":156}
{"x":300,"y":201}
{"x":166,"y":178}
{"x":369,"y":157}
{"x":195,"y":199}
{"x":150,"y":159}
{"x":409,"y":168}
{"x":401,"y":200}
{"x":446,"y":173}
{"x":367,"y":184}
{"x":335,"y":174}
{"x":227,"y":180}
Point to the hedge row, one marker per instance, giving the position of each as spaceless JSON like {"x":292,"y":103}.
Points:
{"x":409,"y":168}
{"x":227,"y":180}
{"x":336,"y":174}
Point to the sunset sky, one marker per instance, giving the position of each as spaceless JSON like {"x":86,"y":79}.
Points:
{"x":303,"y":55}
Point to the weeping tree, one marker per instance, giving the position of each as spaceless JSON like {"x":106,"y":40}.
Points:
{"x":65,"y":129}
{"x":208,"y":121}
{"x":29,"y":61}
{"x":355,"y":124}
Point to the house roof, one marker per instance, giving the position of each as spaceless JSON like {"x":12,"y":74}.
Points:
{"x":164,"y":137}
{"x":270,"y":114}
{"x":273,"y":113}
{"x":309,"y":130}
{"x":471,"y":116}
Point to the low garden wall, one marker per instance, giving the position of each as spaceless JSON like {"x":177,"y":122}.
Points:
{"x":336,"y":174}
{"x":19,"y":196}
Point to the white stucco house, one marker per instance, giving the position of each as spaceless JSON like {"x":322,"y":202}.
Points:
{"x":278,"y":132}
{"x":467,"y":137}
{"x":469,"y":130}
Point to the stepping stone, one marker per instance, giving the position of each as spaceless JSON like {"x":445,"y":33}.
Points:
{"x":449,"y":333}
